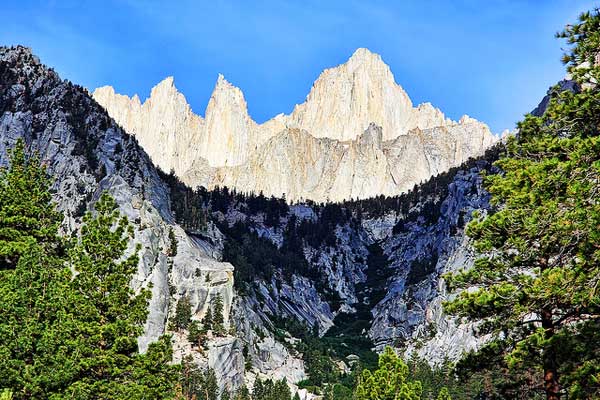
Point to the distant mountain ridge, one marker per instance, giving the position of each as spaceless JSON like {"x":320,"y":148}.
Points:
{"x":357,"y":135}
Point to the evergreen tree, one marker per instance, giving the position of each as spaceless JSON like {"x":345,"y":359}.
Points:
{"x":195,"y":333}
{"x":36,"y":350}
{"x":27,"y":213}
{"x":217,"y":315}
{"x":172,"y":243}
{"x":211,"y":387}
{"x":63,"y":336}
{"x":110,"y":316}
{"x":243,"y":393}
{"x":389,"y":381}
{"x":271,"y":390}
{"x":183,"y":313}
{"x":207,"y":321}
{"x":536,"y":291}
{"x":192,"y":379}
{"x":259,"y":390}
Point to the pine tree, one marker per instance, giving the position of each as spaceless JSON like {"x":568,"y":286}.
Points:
{"x":211,"y":387}
{"x":194,"y":333}
{"x":172,"y":243}
{"x":259,"y":392}
{"x":534,"y":288}
{"x":183,"y":313}
{"x":36,"y":349}
{"x":207,"y":321}
{"x":111,"y":316}
{"x":217,"y":315}
{"x":243,"y":393}
{"x":26,"y":210}
{"x":389,"y":381}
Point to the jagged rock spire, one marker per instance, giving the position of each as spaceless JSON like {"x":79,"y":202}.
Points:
{"x":342,"y":104}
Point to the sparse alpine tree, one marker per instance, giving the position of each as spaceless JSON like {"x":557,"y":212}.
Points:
{"x":207,"y":321}
{"x":217,"y":315}
{"x":183,"y":313}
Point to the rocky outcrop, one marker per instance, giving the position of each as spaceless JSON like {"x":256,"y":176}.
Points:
{"x":323,"y":169}
{"x":176,"y":130}
{"x":86,"y":152}
{"x":422,"y":237}
{"x":420,"y":252}
{"x":228,"y":148}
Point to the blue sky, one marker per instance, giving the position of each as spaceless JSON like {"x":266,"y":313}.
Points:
{"x":490,"y":59}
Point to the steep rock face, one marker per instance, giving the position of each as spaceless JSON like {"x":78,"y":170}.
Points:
{"x":176,"y":132}
{"x":230,"y":135}
{"x":323,"y":169}
{"x":86,"y":152}
{"x":229,"y":148}
{"x":394,"y":298}
{"x":315,"y":168}
{"x":411,"y":312}
{"x":345,"y":99}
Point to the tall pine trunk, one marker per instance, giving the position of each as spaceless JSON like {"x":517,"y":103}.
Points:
{"x":551,"y":385}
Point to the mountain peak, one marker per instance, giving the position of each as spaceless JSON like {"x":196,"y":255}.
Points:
{"x":226,"y":95}
{"x":362,"y":54}
{"x":167,"y":85}
{"x":221,"y":80}
{"x":345,"y":99}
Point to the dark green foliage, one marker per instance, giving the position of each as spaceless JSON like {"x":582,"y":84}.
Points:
{"x":540,"y":249}
{"x":196,"y":334}
{"x":271,"y":390}
{"x":378,"y":273}
{"x":183,"y":313}
{"x":207,"y":321}
{"x":242,"y":394}
{"x":256,"y":257}
{"x":319,"y":353}
{"x":213,"y":319}
{"x":65,"y":335}
{"x":486,"y":374}
{"x":110,"y":317}
{"x":172,"y":243}
{"x":217,"y":315}
{"x":187,"y":205}
{"x":338,"y":391}
{"x":247,"y":358}
{"x":389,"y":382}
{"x":27,"y":214}
{"x":443,"y":380}
{"x":36,"y":329}
{"x":197,"y":384}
